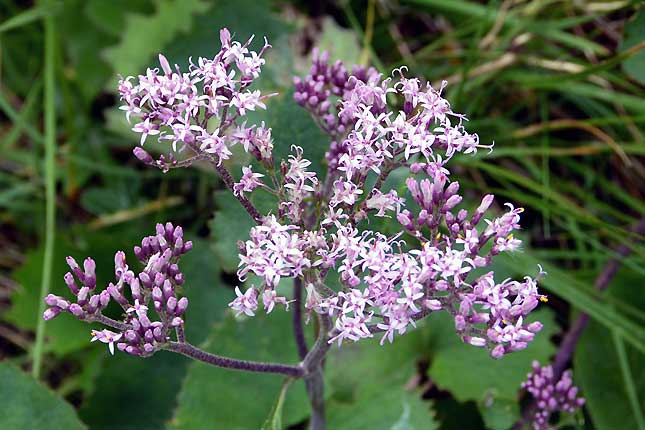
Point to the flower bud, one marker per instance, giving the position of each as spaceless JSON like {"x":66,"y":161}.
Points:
{"x":51,"y":313}
{"x":497,"y":352}
{"x":143,"y":155}
{"x":71,"y":283}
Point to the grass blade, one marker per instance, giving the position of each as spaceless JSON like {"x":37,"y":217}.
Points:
{"x":50,"y":185}
{"x":628,"y":379}
{"x":26,"y":17}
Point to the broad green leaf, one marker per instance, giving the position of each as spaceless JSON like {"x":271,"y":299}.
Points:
{"x":153,"y":383}
{"x":111,"y":16}
{"x":232,"y":223}
{"x":292,"y":125}
{"x":634,"y":34}
{"x":341,"y":43}
{"x":598,"y":367}
{"x":366,"y":386}
{"x":26,"y":404}
{"x":237,"y":400}
{"x":243,"y":18}
{"x":499,"y":414}
{"x":470,"y":373}
{"x":146,"y":35}
{"x":386,"y":409}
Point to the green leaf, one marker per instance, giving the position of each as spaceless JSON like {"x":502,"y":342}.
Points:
{"x":470,"y":373}
{"x":26,"y":404}
{"x":499,"y":414}
{"x":341,"y":43}
{"x":238,"y":400}
{"x":152,"y":383}
{"x":366,"y":386}
{"x":386,"y":409}
{"x":601,"y":371}
{"x":111,"y":16}
{"x":230,"y":224}
{"x":634,"y":34}
{"x":146,"y":35}
{"x":292,"y":125}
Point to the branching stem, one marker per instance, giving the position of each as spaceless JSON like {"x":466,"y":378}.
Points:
{"x":295,"y":371}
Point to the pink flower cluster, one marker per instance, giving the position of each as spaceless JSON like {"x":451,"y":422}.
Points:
{"x":550,"y":395}
{"x":178,"y":106}
{"x":388,"y":283}
{"x":156,"y":283}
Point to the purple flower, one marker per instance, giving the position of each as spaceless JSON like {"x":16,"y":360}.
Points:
{"x":550,"y":395}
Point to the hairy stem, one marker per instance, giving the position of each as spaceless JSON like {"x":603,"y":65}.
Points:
{"x":181,"y":337}
{"x":109,"y":322}
{"x":298,"y":333}
{"x":316,"y":391}
{"x":231,"y":363}
{"x":230,"y":182}
{"x":317,"y":353}
{"x":314,"y":381}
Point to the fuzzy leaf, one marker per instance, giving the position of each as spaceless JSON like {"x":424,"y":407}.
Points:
{"x":26,"y":404}
{"x":470,"y":373}
{"x":146,"y":35}
{"x":366,"y":385}
{"x":238,"y":400}
{"x":634,"y":34}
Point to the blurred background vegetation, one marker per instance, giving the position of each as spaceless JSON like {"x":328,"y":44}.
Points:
{"x":559,"y":87}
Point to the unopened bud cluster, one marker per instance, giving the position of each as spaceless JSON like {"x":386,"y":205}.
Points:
{"x":551,"y":395}
{"x":142,"y":333}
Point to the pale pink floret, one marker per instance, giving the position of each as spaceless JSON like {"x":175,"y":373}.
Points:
{"x":106,"y":336}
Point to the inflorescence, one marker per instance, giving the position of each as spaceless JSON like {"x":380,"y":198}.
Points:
{"x":320,"y":230}
{"x":551,"y":396}
{"x":158,"y":283}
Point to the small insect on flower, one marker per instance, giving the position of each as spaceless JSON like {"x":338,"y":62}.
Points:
{"x":106,"y":336}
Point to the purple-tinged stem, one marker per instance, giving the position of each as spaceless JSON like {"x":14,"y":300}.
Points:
{"x":230,"y":363}
{"x":230,"y":182}
{"x":570,"y":340}
{"x":314,"y":380}
{"x":316,"y":391}
{"x":179,"y":331}
{"x":108,"y":322}
{"x":298,"y":332}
